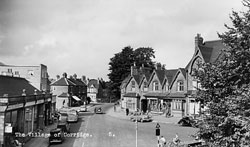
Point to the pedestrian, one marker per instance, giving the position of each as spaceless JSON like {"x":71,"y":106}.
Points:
{"x":114,"y":108}
{"x":162,"y":142}
{"x":127,"y":111}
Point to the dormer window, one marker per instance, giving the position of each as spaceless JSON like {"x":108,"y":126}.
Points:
{"x":166,"y":87}
{"x":145,"y":86}
{"x":155,"y":86}
{"x":133,"y":86}
{"x":180,"y":86}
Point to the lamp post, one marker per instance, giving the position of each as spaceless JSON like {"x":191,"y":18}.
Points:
{"x":157,"y":133}
{"x":136,"y":128}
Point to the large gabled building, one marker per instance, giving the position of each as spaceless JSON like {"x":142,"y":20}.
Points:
{"x":172,"y":92}
{"x":68,"y":91}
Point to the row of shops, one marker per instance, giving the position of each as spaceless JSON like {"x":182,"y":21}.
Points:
{"x":170,"y":106}
{"x":24,"y":115}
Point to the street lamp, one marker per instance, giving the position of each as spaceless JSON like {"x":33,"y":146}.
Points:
{"x":136,"y":127}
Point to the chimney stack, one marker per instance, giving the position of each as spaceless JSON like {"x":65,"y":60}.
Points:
{"x":65,"y":75}
{"x":198,"y":40}
{"x":75,"y":76}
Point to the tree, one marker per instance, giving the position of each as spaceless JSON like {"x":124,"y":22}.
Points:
{"x":121,"y":63}
{"x":225,"y":87}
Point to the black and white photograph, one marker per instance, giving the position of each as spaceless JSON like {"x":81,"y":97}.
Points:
{"x":124,"y":73}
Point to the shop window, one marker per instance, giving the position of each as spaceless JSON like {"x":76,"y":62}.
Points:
{"x":155,"y":86}
{"x":9,"y":70}
{"x":177,"y":105}
{"x":180,"y":86}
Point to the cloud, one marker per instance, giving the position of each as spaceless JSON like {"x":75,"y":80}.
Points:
{"x":82,"y":35}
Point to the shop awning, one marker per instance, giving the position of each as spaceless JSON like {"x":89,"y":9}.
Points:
{"x":76,"y":98}
{"x":156,"y":95}
{"x":132,"y":95}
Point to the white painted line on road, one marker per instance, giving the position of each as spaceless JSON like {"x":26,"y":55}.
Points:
{"x":83,"y":144}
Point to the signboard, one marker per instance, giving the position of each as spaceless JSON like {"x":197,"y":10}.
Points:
{"x":30,"y":103}
{"x":8,"y":128}
{"x":39,"y":101}
{"x":3,"y":100}
{"x":16,"y":106}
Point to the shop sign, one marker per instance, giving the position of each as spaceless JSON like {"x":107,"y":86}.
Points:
{"x":30,"y":103}
{"x":3,"y":100}
{"x":8,"y":128}
{"x":39,"y":101}
{"x":10,"y":107}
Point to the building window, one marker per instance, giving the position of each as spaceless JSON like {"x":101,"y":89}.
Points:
{"x":9,"y":70}
{"x":133,"y":85}
{"x":180,"y":86}
{"x":145,"y":86}
{"x":155,"y":86}
{"x":166,"y":87}
{"x":16,"y":72}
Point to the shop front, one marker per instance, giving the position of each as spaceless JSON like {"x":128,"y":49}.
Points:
{"x":19,"y":116}
{"x":132,"y":101}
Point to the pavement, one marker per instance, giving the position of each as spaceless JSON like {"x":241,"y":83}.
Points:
{"x":157,"y":118}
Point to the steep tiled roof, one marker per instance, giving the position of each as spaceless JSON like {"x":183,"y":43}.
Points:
{"x":63,"y":95}
{"x":183,"y":71}
{"x":137,"y":78}
{"x":93,"y":82}
{"x":170,"y":74}
{"x":77,"y":82}
{"x":125,"y":81}
{"x":160,"y":74}
{"x":13,"y":86}
{"x":63,"y":82}
{"x":210,"y":50}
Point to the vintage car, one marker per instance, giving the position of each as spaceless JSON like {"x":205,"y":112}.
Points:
{"x":72,"y":117}
{"x":65,"y":126}
{"x":83,"y":109}
{"x":98,"y":110}
{"x":141,"y":118}
{"x":56,"y":136}
{"x":190,"y":121}
{"x":63,"y":117}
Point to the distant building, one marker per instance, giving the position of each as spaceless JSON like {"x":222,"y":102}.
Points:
{"x":69,"y":91}
{"x":96,"y":89}
{"x":36,"y":75}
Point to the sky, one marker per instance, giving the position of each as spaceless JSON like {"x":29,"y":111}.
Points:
{"x":80,"y":36}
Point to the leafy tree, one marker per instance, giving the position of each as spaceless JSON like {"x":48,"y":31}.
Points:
{"x":225,"y":87}
{"x":121,"y":63}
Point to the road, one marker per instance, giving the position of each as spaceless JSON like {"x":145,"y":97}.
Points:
{"x":101,"y":130}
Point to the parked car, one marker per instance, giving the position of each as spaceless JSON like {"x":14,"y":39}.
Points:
{"x":63,"y":117}
{"x":141,"y":118}
{"x":56,"y":135}
{"x":98,"y":110}
{"x":83,"y":109}
{"x":72,"y":117}
{"x":190,"y":121}
{"x":65,"y":126}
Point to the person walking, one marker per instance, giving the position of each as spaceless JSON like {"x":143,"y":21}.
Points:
{"x":114,"y":108}
{"x":162,"y":142}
